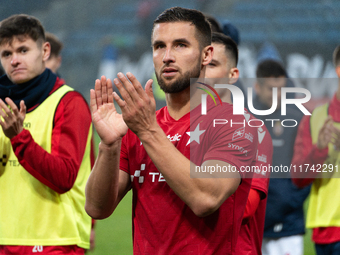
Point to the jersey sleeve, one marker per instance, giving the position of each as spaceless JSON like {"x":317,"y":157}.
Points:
{"x":235,"y":145}
{"x":124,"y":161}
{"x":306,"y":153}
{"x":58,"y":169}
{"x":253,"y":201}
{"x":264,"y":156}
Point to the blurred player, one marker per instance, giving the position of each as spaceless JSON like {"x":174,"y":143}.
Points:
{"x":284,"y":222}
{"x":318,"y":145}
{"x":223,"y":68}
{"x":54,"y":61}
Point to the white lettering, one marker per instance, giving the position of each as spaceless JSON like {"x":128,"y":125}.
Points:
{"x":219,"y":122}
{"x":153,"y":176}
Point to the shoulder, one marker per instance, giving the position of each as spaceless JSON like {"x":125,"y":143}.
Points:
{"x":74,"y":98}
{"x":321,"y":109}
{"x":161,"y":113}
{"x":73,"y":102}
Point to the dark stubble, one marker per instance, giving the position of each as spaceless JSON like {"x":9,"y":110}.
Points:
{"x":180,"y":83}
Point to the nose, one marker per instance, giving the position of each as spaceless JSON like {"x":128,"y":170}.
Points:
{"x":168,"y":56}
{"x":15,"y":59}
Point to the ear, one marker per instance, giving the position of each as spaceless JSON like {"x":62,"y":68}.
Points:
{"x":337,"y":70}
{"x":233,"y":75}
{"x":46,"y":48}
{"x":207,"y":55}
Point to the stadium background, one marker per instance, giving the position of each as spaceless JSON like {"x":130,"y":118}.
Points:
{"x":106,"y":36}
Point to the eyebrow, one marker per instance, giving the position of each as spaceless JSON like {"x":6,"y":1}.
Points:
{"x":22,"y":47}
{"x":214,"y":61}
{"x":157,"y":42}
{"x":180,"y":40}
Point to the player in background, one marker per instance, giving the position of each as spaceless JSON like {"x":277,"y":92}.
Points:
{"x":223,"y":69}
{"x":318,"y":145}
{"x":54,"y":61}
{"x":45,"y":146}
{"x":149,"y":151}
{"x":284,"y":222}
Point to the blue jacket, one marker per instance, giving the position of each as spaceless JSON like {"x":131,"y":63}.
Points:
{"x":284,"y":211}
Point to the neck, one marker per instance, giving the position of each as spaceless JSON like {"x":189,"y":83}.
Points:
{"x":225,"y":95}
{"x":178,"y":103}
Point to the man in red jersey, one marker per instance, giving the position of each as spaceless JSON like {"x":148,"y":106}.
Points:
{"x":223,"y":69}
{"x":45,"y":145}
{"x":149,"y":151}
{"x":316,"y":160}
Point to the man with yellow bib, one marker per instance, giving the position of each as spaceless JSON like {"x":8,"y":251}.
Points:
{"x":317,"y":160}
{"x":45,"y":148}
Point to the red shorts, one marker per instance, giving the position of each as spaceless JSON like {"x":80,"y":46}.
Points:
{"x":41,"y":250}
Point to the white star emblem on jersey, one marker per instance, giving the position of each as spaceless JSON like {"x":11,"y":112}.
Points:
{"x":195,"y":135}
{"x":239,"y":132}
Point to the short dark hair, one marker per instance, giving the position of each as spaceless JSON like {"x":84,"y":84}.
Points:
{"x":20,"y":26}
{"x":56,"y":44}
{"x":270,"y":68}
{"x":214,"y":24}
{"x":232,"y":31}
{"x":336,"y":56}
{"x":229,"y":44}
{"x":197,"y":18}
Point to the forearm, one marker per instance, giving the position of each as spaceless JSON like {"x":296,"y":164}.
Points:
{"x":102,"y":187}
{"x":58,"y":173}
{"x":203,"y":195}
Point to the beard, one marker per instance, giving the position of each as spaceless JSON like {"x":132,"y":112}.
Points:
{"x":181,"y":83}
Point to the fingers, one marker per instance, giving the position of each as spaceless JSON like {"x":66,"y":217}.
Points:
{"x":5,"y":112}
{"x":328,"y":121}
{"x":101,"y":94}
{"x":149,"y":92}
{"x":136,"y":84}
{"x":125,"y":95}
{"x":11,"y":116}
{"x":325,"y":134}
{"x":23,"y":108}
{"x":109,"y":91}
{"x":148,"y":88}
{"x":106,"y":90}
{"x":120,"y":102}
{"x":335,"y":137}
{"x":329,"y":134}
{"x":2,"y":113}
{"x":12,"y":105}
{"x":98,"y":91}
{"x":133,"y":88}
{"x":93,"y":102}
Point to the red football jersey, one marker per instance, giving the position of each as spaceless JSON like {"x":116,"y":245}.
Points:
{"x":251,"y":233}
{"x":162,"y":222}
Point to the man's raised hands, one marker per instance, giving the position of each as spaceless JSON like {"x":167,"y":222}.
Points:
{"x":108,"y":123}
